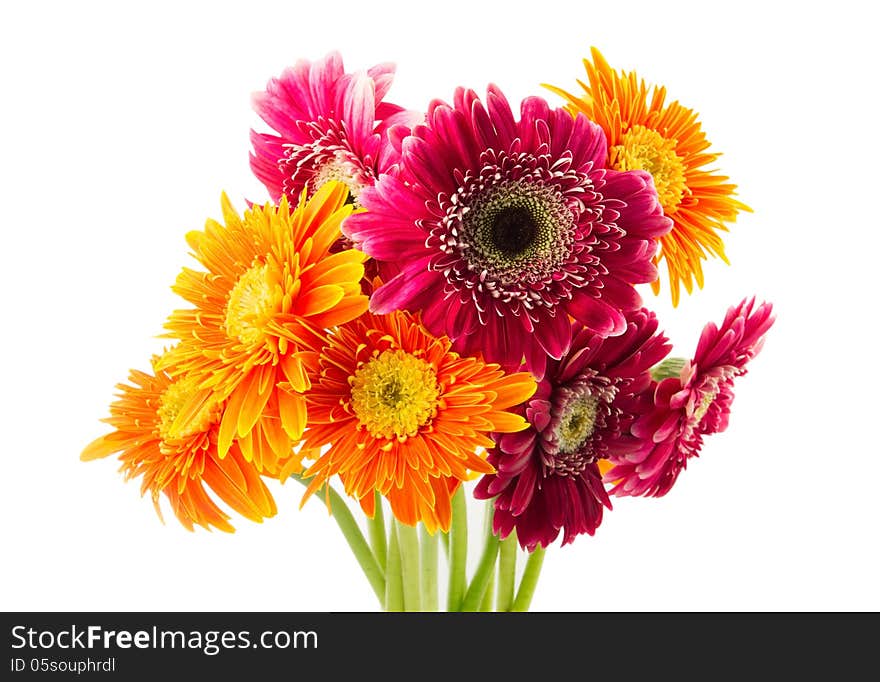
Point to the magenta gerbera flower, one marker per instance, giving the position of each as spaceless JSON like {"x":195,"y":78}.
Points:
{"x":547,"y":478}
{"x":504,"y":228}
{"x":331,"y":125}
{"x":692,"y":404}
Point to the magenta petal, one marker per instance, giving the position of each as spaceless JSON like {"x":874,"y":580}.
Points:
{"x":481,"y":490}
{"x":503,"y":523}
{"x":501,"y":115}
{"x":322,"y":78}
{"x":359,"y":107}
{"x":597,"y":315}
{"x":514,"y":443}
{"x":668,"y":426}
{"x":525,"y":489}
{"x":405,"y":290}
{"x":619,"y":294}
{"x":594,"y":147}
{"x":424,"y":164}
{"x":553,"y":332}
{"x":657,"y":460}
{"x":504,"y":342}
{"x":513,"y":465}
{"x":497,"y":485}
{"x":382,"y":75}
{"x":434,"y":315}
{"x":536,"y":358}
{"x":538,"y":413}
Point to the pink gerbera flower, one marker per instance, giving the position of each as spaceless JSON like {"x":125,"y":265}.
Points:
{"x":692,"y":404}
{"x":504,"y":228}
{"x":547,"y":478}
{"x":331,"y":125}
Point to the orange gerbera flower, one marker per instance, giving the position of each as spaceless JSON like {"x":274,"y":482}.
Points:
{"x":271,"y":289}
{"x":667,"y":141}
{"x":404,"y":415}
{"x":179,"y":463}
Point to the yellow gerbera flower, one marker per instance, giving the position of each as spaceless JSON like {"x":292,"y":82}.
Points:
{"x":271,"y":289}
{"x":179,"y":462}
{"x":667,"y":141}
{"x":405,"y":416}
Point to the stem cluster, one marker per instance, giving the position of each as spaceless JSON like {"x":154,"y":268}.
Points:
{"x":401,"y":562}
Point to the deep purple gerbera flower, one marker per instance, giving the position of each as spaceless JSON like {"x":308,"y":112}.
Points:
{"x":693,"y":403}
{"x":547,"y":478}
{"x":504,"y":228}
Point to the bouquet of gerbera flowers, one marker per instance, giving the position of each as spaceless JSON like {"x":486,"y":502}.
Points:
{"x":434,"y":298}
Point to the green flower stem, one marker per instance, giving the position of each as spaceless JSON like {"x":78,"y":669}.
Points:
{"x":444,"y":538}
{"x":355,"y":538}
{"x":376,"y":527}
{"x":457,"y":551}
{"x":474,"y":596}
{"x":529,"y":580}
{"x":486,"y":604}
{"x":393,"y":582}
{"x":429,"y":568}
{"x":506,"y":572}
{"x":408,"y":542}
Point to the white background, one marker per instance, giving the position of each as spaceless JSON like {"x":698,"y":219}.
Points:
{"x":120,"y":126}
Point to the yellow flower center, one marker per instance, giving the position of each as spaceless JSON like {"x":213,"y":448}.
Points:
{"x":338,"y":170}
{"x":577,"y":423}
{"x":251,"y":304}
{"x":173,"y":399}
{"x":705,"y":403}
{"x":645,"y":149}
{"x":394,"y":394}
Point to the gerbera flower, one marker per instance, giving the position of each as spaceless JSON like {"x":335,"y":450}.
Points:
{"x":180,"y":463}
{"x":692,"y":404}
{"x":667,"y":141}
{"x":270,"y":289}
{"x":548,"y":477}
{"x":404,"y":415}
{"x":331,"y":125}
{"x":503,"y":228}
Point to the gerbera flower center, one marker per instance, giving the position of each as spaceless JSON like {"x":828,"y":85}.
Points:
{"x":513,"y":230}
{"x":251,"y":303}
{"x":581,"y":417}
{"x":394,"y":394}
{"x":645,"y":149}
{"x":172,"y":400}
{"x":516,"y":231}
{"x":708,"y":397}
{"x":338,"y":169}
{"x":577,"y":423}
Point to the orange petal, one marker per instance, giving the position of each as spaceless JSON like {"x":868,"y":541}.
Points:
{"x":295,"y":373}
{"x":189,"y":410}
{"x":506,"y":422}
{"x":293,"y":411}
{"x":318,"y":300}
{"x":99,"y":448}
{"x":347,"y":310}
{"x":513,"y":389}
{"x":256,"y":396}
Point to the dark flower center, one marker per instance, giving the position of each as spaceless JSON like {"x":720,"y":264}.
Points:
{"x":516,"y":232}
{"x":513,"y":230}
